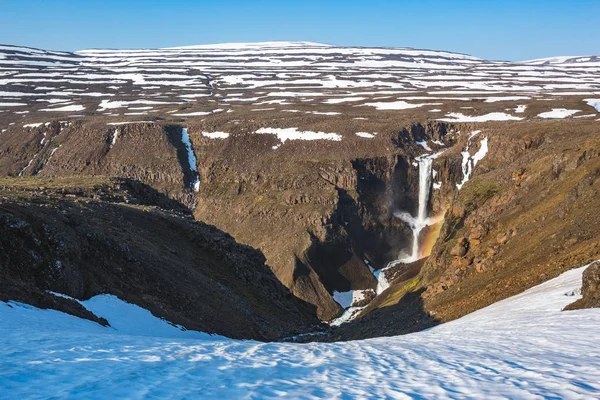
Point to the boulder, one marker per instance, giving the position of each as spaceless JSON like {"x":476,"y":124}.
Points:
{"x":590,"y":289}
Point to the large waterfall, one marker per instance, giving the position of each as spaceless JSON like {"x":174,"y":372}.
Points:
{"x":417,"y":223}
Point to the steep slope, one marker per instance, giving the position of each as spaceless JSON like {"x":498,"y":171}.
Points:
{"x":528,"y":214}
{"x":87,"y":236}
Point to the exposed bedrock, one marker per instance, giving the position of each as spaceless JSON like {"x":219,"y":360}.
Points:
{"x":81,"y":239}
{"x":149,"y":153}
{"x":324,"y":223}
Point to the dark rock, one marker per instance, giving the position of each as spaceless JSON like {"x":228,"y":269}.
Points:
{"x":590,"y":289}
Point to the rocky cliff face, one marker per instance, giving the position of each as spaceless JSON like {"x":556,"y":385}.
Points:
{"x":322,"y":222}
{"x":89,"y":236}
{"x":147,"y":153}
{"x":527,"y":214}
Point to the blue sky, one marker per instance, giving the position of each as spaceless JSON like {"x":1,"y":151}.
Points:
{"x":492,"y":29}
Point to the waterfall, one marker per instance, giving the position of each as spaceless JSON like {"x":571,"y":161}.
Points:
{"x":185,"y":139}
{"x":421,"y":220}
{"x":425,"y":177}
{"x":417,"y":223}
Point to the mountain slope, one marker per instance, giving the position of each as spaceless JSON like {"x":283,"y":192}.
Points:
{"x":83,"y":237}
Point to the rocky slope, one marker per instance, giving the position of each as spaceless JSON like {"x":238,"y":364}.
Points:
{"x":84,"y":236}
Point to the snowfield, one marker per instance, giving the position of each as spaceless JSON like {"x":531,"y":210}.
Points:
{"x":523,"y":347}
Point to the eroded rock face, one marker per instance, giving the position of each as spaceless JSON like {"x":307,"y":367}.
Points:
{"x":590,"y":289}
{"x":529,"y":214}
{"x":321,"y":213}
{"x":148,"y":153}
{"x":80,"y":238}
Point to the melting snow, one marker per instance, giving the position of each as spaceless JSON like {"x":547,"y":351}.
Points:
{"x":424,"y":145}
{"x":114,"y":137}
{"x":366,"y":134}
{"x":558,"y":113}
{"x":73,"y":107}
{"x":12,"y":104}
{"x":216,"y":135}
{"x":395,"y":105}
{"x":284,"y":134}
{"x":129,"y":122}
{"x":469,"y":162}
{"x":495,"y":116}
{"x":185,"y":139}
{"x":593,"y":103}
{"x":520,"y":108}
{"x":193,"y":114}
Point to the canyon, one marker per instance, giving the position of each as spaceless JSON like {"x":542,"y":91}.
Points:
{"x":382,"y":191}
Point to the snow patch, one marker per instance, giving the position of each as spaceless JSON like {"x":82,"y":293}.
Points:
{"x":558,"y":113}
{"x":495,"y":116}
{"x":595,"y":103}
{"x":216,"y":135}
{"x":284,"y":134}
{"x":366,"y":135}
{"x":185,"y":139}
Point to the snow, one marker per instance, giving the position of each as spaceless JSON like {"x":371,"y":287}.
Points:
{"x":216,"y":135}
{"x":343,"y":100}
{"x":115,"y":134}
{"x":324,"y":112}
{"x":520,"y":108}
{"x":424,"y":145}
{"x":193,"y":114}
{"x":505,"y":98}
{"x":469,"y":162}
{"x":480,"y":154}
{"x":35,"y":125}
{"x":558,"y":113}
{"x":522,"y":347}
{"x":396,"y":105}
{"x":593,"y":103}
{"x":284,"y":134}
{"x":366,"y":135}
{"x":495,"y":116}
{"x":73,"y":107}
{"x":12,"y":104}
{"x":130,"y":319}
{"x":130,"y":122}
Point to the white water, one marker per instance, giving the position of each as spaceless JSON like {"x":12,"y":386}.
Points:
{"x":185,"y":138}
{"x":417,"y":223}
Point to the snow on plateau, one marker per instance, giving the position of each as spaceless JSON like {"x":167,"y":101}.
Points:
{"x":593,"y":103}
{"x":495,"y":116}
{"x":558,"y":113}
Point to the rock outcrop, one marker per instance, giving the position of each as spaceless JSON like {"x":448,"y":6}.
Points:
{"x":590,"y":289}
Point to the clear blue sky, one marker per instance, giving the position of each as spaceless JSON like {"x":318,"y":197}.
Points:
{"x":492,"y":29}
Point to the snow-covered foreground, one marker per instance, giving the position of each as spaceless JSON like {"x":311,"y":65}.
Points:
{"x":523,"y":347}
